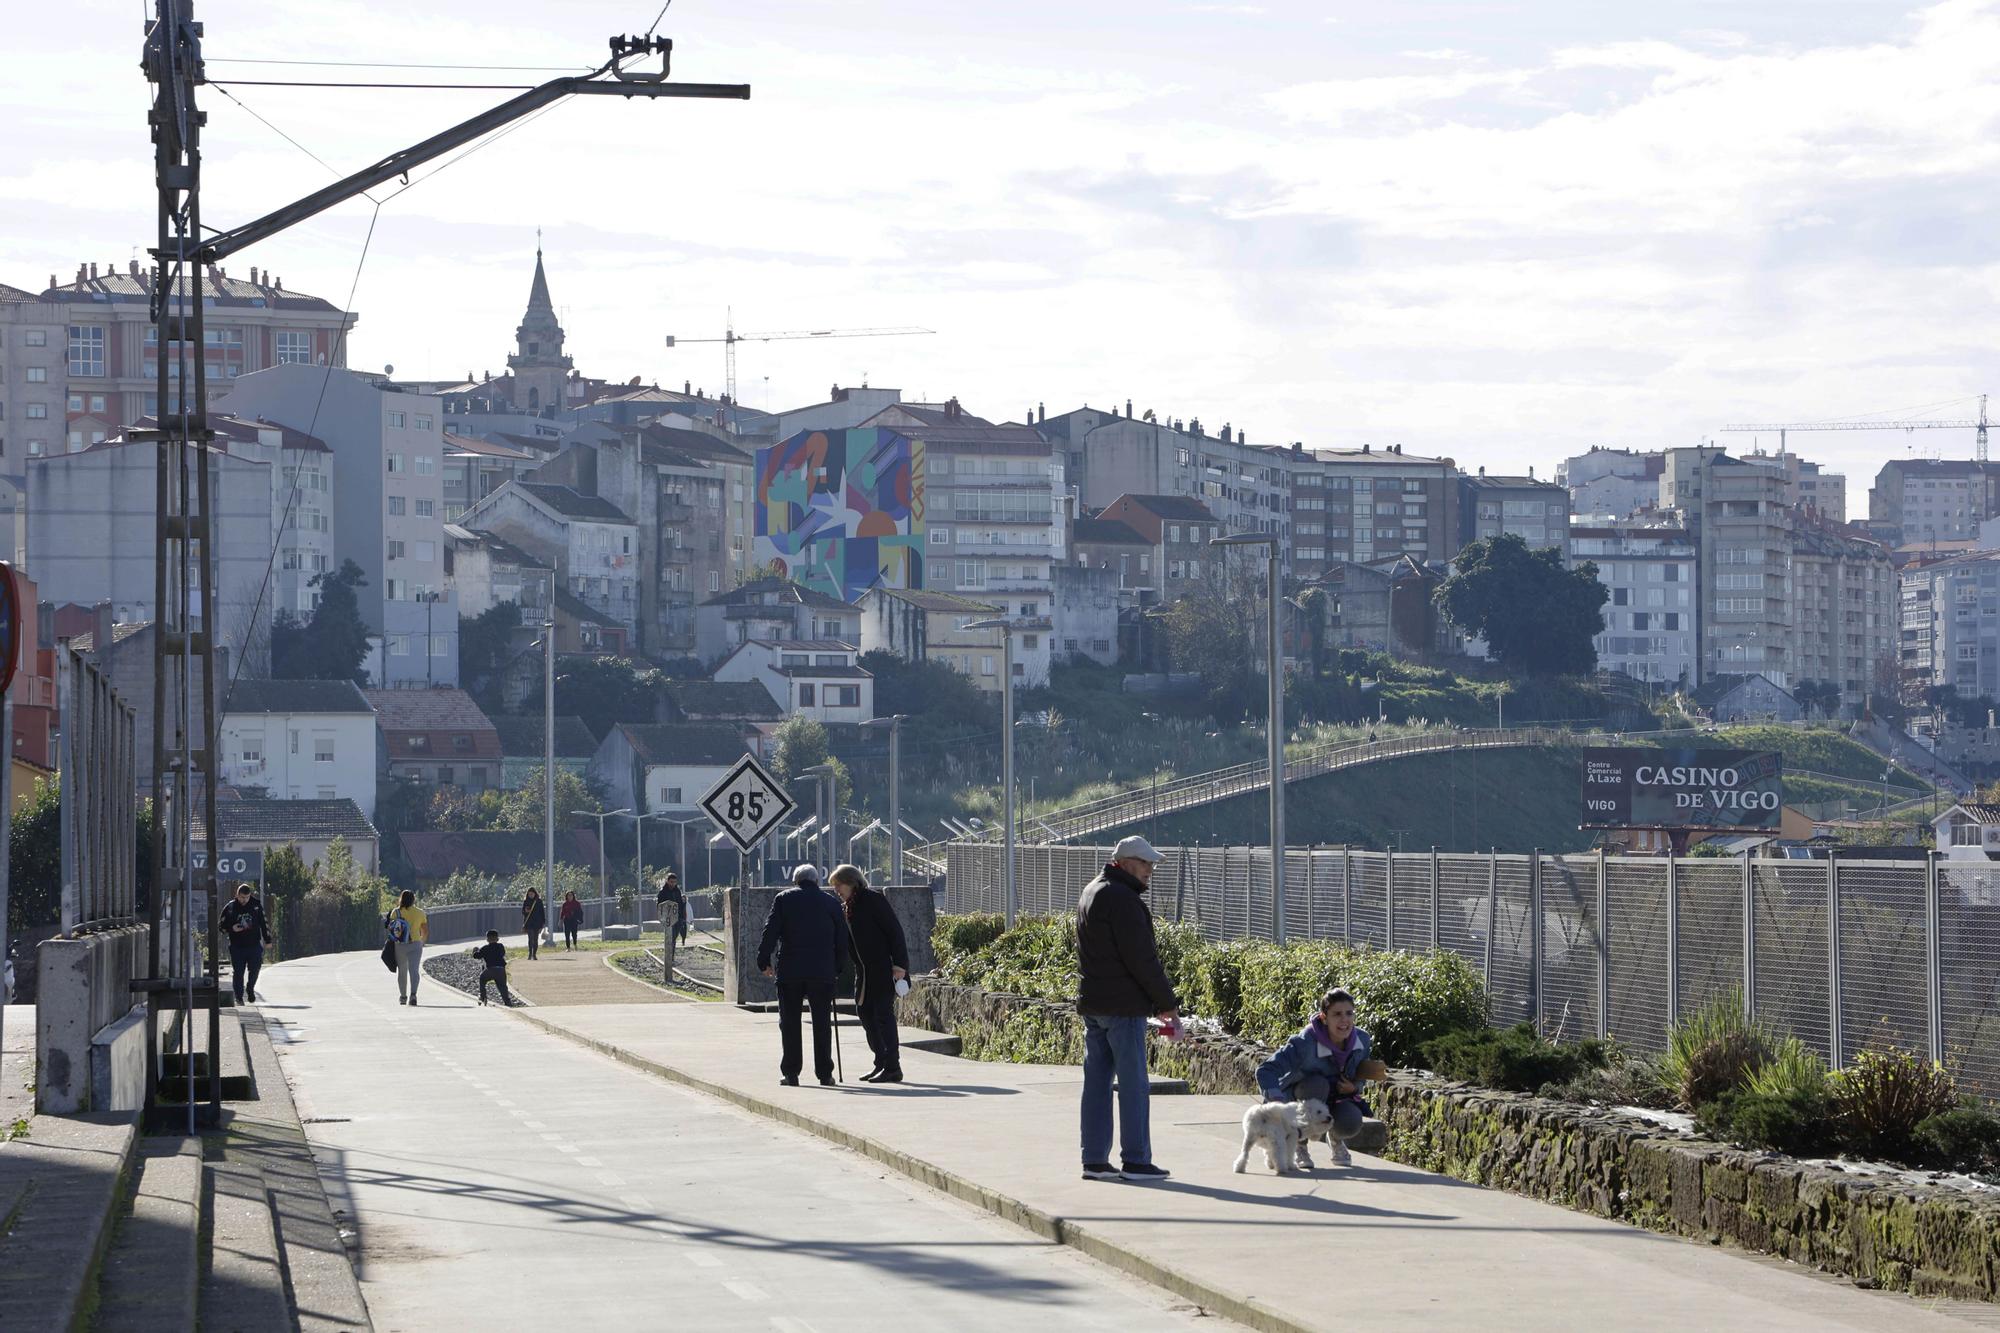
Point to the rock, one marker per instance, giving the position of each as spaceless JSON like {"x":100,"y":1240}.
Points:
{"x":619,"y":933}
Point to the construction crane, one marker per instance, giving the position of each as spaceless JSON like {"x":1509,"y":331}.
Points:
{"x":1784,"y":428}
{"x":730,"y":337}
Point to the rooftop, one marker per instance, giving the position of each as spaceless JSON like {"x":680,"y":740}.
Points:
{"x":826,"y":672}
{"x":786,"y":593}
{"x":1976,"y":812}
{"x":685,"y":743}
{"x":1183,"y":508}
{"x":925,"y":599}
{"x":296,"y":696}
{"x":427,"y":710}
{"x":485,"y":448}
{"x":521,"y":737}
{"x":572,"y":503}
{"x":730,"y":700}
{"x":86,"y":642}
{"x":576,"y":608}
{"x":261,"y":819}
{"x":1107,"y":532}
{"x":135,"y":284}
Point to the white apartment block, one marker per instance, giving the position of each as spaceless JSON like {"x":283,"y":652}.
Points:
{"x":1842,"y":596}
{"x":1615,"y":483}
{"x":300,"y":740}
{"x":388,"y":503}
{"x":1962,"y":599}
{"x":591,"y":543}
{"x":1649,"y":619}
{"x":1918,"y":502}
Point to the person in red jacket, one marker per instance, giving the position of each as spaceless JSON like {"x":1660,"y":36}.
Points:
{"x":571,"y":916}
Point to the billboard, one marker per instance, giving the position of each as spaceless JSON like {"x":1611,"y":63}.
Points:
{"x":1739,"y":791}
{"x":842,"y":511}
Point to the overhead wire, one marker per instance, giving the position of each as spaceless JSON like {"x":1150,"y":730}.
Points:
{"x":396,"y":64}
{"x":268,"y":124}
{"x":428,"y":87}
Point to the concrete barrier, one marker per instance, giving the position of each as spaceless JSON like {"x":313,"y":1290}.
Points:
{"x":84,"y":986}
{"x":118,"y":1063}
{"x":618,"y":933}
{"x":743,"y":914}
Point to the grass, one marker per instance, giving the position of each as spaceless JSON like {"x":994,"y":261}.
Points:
{"x":17,"y":1130}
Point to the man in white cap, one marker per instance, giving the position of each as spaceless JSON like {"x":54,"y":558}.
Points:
{"x":1119,"y":982}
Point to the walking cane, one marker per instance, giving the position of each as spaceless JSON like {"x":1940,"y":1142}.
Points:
{"x":839,"y":1069}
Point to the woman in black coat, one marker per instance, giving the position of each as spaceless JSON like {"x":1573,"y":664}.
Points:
{"x":535,"y":919}
{"x":881,"y":959}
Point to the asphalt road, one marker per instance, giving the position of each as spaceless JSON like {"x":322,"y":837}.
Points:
{"x":496,"y":1177}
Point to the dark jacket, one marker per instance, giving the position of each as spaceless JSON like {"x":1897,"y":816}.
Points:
{"x":805,"y":933}
{"x":493,"y":955}
{"x":1118,"y":964}
{"x":256,"y":931}
{"x":1314,"y":1052}
{"x":875,"y":940}
{"x":571,"y":909}
{"x":672,"y":894}
{"x":534,"y":912}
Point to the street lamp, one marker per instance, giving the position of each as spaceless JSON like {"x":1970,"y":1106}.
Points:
{"x":894,"y":726}
{"x":1275,"y":661}
{"x":1006,"y":628}
{"x":548,"y":646}
{"x":600,"y":818}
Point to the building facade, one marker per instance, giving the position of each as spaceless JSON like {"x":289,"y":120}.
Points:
{"x":1611,"y":483}
{"x":1374,"y":504}
{"x":1842,"y":595}
{"x":1649,"y":620}
{"x":300,"y":740}
{"x":1736,"y":513}
{"x":815,"y":678}
{"x":1535,"y":511}
{"x":1916,"y":502}
{"x":589,"y":540}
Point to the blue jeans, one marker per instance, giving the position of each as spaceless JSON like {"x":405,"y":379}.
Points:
{"x":1115,"y":1045}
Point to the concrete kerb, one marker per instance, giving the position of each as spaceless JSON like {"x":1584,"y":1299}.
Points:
{"x":1243,"y":1310}
{"x":48,"y":1280}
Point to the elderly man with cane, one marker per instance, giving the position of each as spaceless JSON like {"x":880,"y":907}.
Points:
{"x":803,"y":937}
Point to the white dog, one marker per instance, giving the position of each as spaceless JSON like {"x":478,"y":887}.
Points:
{"x":1282,"y":1128}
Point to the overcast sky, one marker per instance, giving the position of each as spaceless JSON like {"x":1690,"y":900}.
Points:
{"x":1500,"y":232}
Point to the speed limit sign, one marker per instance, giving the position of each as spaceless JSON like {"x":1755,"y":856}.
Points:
{"x":748,"y":803}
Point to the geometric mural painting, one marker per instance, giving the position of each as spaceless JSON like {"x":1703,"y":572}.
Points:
{"x":842,"y":511}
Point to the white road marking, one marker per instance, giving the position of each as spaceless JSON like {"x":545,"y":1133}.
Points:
{"x":703,"y":1259}
{"x":633,"y":1201}
{"x":744,"y":1289}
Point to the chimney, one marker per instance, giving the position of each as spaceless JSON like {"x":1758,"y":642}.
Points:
{"x":93,"y":273}
{"x":133,"y":267}
{"x":1298,"y":446}
{"x":1041,"y":412}
{"x":1128,"y":407}
{"x":1482,"y":469}
{"x":52,"y":282}
{"x":278,"y":284}
{"x":1531,"y":472}
{"x":1364,"y":448}
{"x":100,"y":630}
{"x":253,"y":275}
{"x":1226,"y":433}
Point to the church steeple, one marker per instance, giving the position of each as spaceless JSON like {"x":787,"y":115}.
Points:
{"x":538,"y":363}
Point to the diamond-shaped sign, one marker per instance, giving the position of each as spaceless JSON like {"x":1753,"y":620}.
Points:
{"x":748,"y":803}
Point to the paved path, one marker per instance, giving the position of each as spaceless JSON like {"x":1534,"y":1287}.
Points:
{"x":582,"y":976}
{"x":498,"y":1177}
{"x":1434,"y":1252}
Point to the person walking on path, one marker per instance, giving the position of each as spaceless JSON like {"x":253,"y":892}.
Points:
{"x":248,"y":932}
{"x":674,"y":927}
{"x":881,"y":959}
{"x":534,"y":919}
{"x":494,"y":954}
{"x":571,"y":916}
{"x":409,"y":930}
{"x":801,"y":949}
{"x":1323,"y":1061}
{"x":1119,"y":982}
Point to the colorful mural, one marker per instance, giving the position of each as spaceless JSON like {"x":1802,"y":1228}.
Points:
{"x":842,"y":511}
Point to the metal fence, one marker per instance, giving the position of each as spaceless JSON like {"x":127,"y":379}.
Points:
{"x":100,"y":802}
{"x":1846,"y":954}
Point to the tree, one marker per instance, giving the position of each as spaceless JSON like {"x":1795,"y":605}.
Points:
{"x":1313,"y":607}
{"x":333,"y":643}
{"x":800,"y":743}
{"x":521,"y":808}
{"x":34,"y":858}
{"x":1209,"y":632}
{"x":485,"y":644}
{"x":605,"y":691}
{"x":1822,"y":696}
{"x":1535,"y":615}
{"x":938,"y":696}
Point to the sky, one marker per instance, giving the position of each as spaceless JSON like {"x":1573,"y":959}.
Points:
{"x":1497,"y":232}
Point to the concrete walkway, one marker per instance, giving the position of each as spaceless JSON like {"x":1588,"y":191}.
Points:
{"x":1431,"y":1252}
{"x":585,"y":976}
{"x":490,"y":1175}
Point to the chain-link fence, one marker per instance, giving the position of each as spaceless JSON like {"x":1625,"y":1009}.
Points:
{"x":1847,"y":954}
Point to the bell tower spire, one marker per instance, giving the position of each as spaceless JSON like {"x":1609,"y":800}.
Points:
{"x":538,"y":364}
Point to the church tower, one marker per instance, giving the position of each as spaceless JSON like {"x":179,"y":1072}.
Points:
{"x":537,"y":363}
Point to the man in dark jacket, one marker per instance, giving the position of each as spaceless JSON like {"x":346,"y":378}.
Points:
{"x":881,"y":956}
{"x":1119,"y":982}
{"x":673,"y":909}
{"x":244,"y":926}
{"x":804,"y":935}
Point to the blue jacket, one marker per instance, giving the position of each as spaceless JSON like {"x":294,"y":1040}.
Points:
{"x":806,"y":933}
{"x":1313,"y":1052}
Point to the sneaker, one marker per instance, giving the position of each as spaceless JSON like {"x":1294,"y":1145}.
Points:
{"x":888,"y":1076}
{"x":1342,"y":1157}
{"x":1305,"y":1161}
{"x":1144,"y":1171}
{"x":1099,"y":1171}
{"x":789,"y":1081}
{"x":402,"y":999}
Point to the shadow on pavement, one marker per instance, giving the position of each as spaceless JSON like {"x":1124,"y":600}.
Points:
{"x":1334,"y":1209}
{"x":907,"y":1089}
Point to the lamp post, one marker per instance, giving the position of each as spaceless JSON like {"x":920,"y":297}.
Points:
{"x":1275,"y":662}
{"x":549,"y":748}
{"x":600,"y":818}
{"x":1006,"y":628}
{"x":894,"y":726}
{"x":817,"y":777}
{"x":829,"y":784}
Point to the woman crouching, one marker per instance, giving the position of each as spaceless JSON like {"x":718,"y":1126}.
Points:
{"x":1323,"y":1062}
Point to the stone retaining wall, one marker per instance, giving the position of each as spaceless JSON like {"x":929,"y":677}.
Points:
{"x":1879,"y":1230}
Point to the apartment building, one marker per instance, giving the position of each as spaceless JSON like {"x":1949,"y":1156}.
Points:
{"x":589,"y":541}
{"x":387,"y":502}
{"x":815,"y":678}
{"x":1535,"y":511}
{"x":772,"y":610}
{"x":921,"y":625}
{"x":1374,"y":504}
{"x":1741,"y":526}
{"x":1614,"y":483}
{"x":1960,"y":599}
{"x":1649,"y":567}
{"x":1810,"y":486}
{"x":1918,"y":502}
{"x":1114,"y":547}
{"x":1177,"y":530}
{"x":300,"y":740}
{"x":1842,"y":596}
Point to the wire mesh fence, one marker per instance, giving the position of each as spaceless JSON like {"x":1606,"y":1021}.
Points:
{"x":1847,"y":955}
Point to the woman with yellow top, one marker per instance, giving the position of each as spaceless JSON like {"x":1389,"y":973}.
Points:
{"x":409,"y":929}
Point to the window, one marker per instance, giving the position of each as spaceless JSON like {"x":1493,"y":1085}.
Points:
{"x":843,"y":696}
{"x":396,"y":590}
{"x":395,"y":460}
{"x":985,"y":666}
{"x":397,"y":550}
{"x":1174,"y":533}
{"x":1029,"y":640}
{"x":295,"y":740}
{"x":322,"y":749}
{"x":1410,"y":484}
{"x":86,"y":349}
{"x":399,"y":646}
{"x":38,"y":375}
{"x":1620,"y":596}
{"x":423,"y":423}
{"x":396,"y":505}
{"x":714,"y":580}
{"x":940,"y":536}
{"x":294,"y":348}
{"x":670,"y":796}
{"x":445,"y":775}
{"x":396,"y":419}
{"x":426,"y":465}
{"x":806,"y":696}
{"x":36,"y":338}
{"x":253,"y":752}
{"x":426,"y":509}
{"x":38,"y":411}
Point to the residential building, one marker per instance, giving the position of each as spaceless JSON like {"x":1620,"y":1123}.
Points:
{"x":101,"y":373}
{"x":91,"y":538}
{"x":666,"y":766}
{"x":1742,"y":531}
{"x":1810,"y":486}
{"x":1737,"y":698}
{"x":1648,"y":565}
{"x":771,"y":609}
{"x":128,"y":663}
{"x":387,"y":504}
{"x":1961,"y":598}
{"x":1387,"y":606}
{"x":591,"y":542}
{"x":584,"y":631}
{"x":246,"y":823}
{"x":919,"y":625}
{"x":523,"y":750}
{"x":1616,"y":483}
{"x":483,"y":571}
{"x":1921,"y":501}
{"x":717,"y":701}
{"x":300,"y":740}
{"x":37,"y":724}
{"x":1087,"y":603}
{"x":815,"y":678}
{"x":1374,"y":504}
{"x":1112,"y":546}
{"x":1177,"y":530}
{"x":436,"y":737}
{"x":474,"y":468}
{"x":34,"y":379}
{"x":1842,"y":598}
{"x":1535,"y":511}
{"x":843,"y":410}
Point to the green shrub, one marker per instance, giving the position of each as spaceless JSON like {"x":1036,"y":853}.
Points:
{"x":1209,"y":979}
{"x":1790,"y":1121}
{"x":1624,"y":1079}
{"x":1407,"y":999}
{"x":1880,"y":1099}
{"x":1516,"y":1059}
{"x":1037,"y":957}
{"x":1712,"y":1051}
{"x":965,"y":933}
{"x":1964,"y":1139}
{"x":1794,"y":1069}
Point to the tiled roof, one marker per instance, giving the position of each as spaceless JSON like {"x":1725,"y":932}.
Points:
{"x":1184,"y":508}
{"x":296,"y":696}
{"x":807,"y":645}
{"x":246,"y":430}
{"x":495,"y":852}
{"x":685,"y":743}
{"x":504,"y":551}
{"x":117,"y":285}
{"x":1495,"y":482}
{"x":1976,"y":813}
{"x":427,"y":710}
{"x":925,"y":599}
{"x":86,"y":642}
{"x":1107,"y":531}
{"x":521,"y":737}
{"x":725,"y":700}
{"x":259,"y":819}
{"x":576,"y":608}
{"x":705,"y":447}
{"x":788,"y":593}
{"x":485,"y":448}
{"x":572,"y":503}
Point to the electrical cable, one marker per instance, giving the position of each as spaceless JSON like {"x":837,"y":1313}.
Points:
{"x":657,"y":17}
{"x":394,"y":64}
{"x":431,"y":87}
{"x":290,"y":140}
